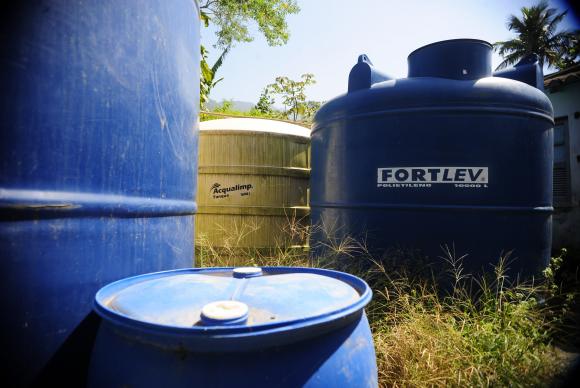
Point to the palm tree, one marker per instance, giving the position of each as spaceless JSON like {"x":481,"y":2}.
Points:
{"x":537,"y":34}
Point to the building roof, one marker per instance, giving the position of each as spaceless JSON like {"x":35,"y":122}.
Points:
{"x":254,"y":125}
{"x":563,"y":77}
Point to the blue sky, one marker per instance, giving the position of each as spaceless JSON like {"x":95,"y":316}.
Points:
{"x":328,"y":35}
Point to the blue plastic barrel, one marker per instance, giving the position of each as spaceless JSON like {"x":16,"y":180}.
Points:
{"x":451,"y":157}
{"x":242,"y":327}
{"x":98,"y":158}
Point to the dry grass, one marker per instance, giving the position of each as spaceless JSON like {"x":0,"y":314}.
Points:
{"x":499,"y":338}
{"x":481,"y":332}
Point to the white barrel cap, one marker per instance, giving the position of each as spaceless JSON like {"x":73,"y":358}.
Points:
{"x":247,"y":272}
{"x":224,"y":311}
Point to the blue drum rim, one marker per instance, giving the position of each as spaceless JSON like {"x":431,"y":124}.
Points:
{"x":26,"y":203}
{"x":233,"y":331}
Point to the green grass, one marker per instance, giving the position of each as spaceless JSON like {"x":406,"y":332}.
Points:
{"x":501,"y":337}
{"x":481,"y":332}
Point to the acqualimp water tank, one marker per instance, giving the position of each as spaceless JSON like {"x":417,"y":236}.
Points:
{"x":252,"y":184}
{"x":450,"y":156}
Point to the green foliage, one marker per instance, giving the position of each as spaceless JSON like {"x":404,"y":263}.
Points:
{"x":562,"y":290}
{"x":293,"y":94}
{"x":226,"y":110}
{"x":232,"y":17}
{"x":207,"y":75}
{"x":265,"y":102}
{"x":537,"y":33}
{"x":570,"y":52}
{"x":225,"y":107}
{"x":563,"y":273}
{"x":310,"y":109}
{"x":296,"y":99}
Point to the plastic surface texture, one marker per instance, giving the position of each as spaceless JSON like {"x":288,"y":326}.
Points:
{"x":98,"y":145}
{"x":450,"y":156}
{"x":274,"y":297}
{"x":152,"y":332}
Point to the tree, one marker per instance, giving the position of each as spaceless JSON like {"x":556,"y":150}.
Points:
{"x":310,"y":109}
{"x":569,"y":55}
{"x":293,"y":94}
{"x":225,"y":107}
{"x":207,"y":75}
{"x":265,"y":102}
{"x":536,"y":33}
{"x":232,"y":17}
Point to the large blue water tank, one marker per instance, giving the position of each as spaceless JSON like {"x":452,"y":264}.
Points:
{"x":98,"y":145}
{"x":449,"y":157}
{"x":235,"y":327}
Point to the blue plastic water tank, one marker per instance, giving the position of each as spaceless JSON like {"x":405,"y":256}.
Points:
{"x":450,"y":156}
{"x":98,"y":158}
{"x":242,"y":327}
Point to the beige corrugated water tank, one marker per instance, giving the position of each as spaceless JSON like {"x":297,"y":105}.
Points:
{"x":253,"y":183}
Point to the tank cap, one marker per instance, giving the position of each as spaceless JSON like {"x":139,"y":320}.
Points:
{"x":224,"y":312}
{"x":247,"y":272}
{"x":459,"y":59}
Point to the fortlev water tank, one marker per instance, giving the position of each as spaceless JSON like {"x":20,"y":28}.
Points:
{"x":243,"y":327}
{"x":449,"y":156}
{"x":98,"y":141}
{"x":253,"y":183}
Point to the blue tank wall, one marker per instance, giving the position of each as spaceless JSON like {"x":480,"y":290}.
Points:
{"x":98,"y":145}
{"x":443,"y":118}
{"x":327,"y":360}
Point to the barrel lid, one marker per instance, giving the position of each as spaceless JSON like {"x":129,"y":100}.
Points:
{"x":254,"y":125}
{"x":245,"y":299}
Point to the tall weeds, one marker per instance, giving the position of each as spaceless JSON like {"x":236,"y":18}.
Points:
{"x":481,"y":331}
